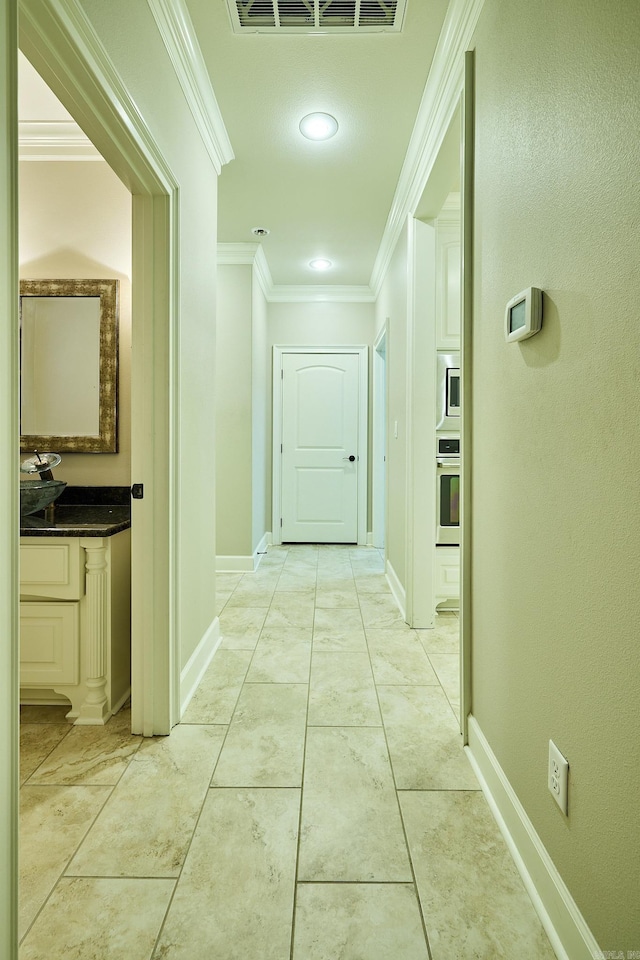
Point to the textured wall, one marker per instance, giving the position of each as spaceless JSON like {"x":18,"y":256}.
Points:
{"x":125,"y":27}
{"x":233,"y":412}
{"x":556,"y":451}
{"x":75,"y":222}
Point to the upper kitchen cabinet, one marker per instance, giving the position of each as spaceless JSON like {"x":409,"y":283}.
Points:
{"x":448,"y":275}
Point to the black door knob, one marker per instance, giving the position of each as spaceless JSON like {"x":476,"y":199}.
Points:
{"x":351,"y":458}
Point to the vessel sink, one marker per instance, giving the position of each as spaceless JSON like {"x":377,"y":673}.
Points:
{"x":37,"y":494}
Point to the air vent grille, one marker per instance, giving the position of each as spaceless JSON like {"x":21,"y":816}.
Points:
{"x":313,"y":16}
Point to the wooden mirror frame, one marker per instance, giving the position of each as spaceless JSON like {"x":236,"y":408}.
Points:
{"x":107,"y":291}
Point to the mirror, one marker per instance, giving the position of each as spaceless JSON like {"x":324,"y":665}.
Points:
{"x":69,"y":365}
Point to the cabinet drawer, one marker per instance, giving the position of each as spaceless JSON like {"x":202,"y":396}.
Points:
{"x":49,"y":643}
{"x":53,"y":569}
{"x":447,"y":573}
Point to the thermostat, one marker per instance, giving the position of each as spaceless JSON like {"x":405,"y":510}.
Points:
{"x":523,"y":316}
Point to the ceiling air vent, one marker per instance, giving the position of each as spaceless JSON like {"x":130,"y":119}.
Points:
{"x":316,"y":16}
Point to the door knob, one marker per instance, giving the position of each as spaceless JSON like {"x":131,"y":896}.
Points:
{"x":350,"y":459}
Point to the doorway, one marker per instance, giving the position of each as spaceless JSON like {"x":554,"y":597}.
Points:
{"x":86,"y":85}
{"x":320,"y":403}
{"x":451,"y":177}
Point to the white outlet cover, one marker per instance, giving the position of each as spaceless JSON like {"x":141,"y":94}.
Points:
{"x":558,"y":777}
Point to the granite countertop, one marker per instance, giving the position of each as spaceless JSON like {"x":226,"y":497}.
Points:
{"x":82,"y":512}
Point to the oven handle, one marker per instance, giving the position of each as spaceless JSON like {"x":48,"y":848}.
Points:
{"x":448,"y":462}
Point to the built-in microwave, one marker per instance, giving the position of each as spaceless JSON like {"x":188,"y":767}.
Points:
{"x":448,"y":391}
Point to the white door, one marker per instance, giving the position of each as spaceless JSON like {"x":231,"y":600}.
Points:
{"x":319,"y":469}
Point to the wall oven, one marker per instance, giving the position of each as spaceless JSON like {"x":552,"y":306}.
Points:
{"x":448,"y":391}
{"x":448,"y":491}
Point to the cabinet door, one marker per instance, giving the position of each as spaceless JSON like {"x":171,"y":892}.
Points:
{"x":448,"y":293}
{"x":49,"y":643}
{"x":53,"y":568}
{"x":447,"y":575}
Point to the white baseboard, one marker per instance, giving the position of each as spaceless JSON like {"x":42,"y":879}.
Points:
{"x":116,"y":707}
{"x":234,"y":564}
{"x":564,"y":924}
{"x":370,"y":538}
{"x":260,"y":550}
{"x":193,"y":671}
{"x":398,"y":591}
{"x":243,"y":564}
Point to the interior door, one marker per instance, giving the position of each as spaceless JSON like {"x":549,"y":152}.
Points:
{"x":319,"y":469}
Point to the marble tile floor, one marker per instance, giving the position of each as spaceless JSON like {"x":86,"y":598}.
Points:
{"x":315,"y":803}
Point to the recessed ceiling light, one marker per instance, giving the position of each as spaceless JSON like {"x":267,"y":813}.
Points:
{"x":318,"y":126}
{"x":320,"y":264}
{"x":260,"y":231}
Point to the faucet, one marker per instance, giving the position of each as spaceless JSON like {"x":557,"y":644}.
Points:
{"x":42,"y":466}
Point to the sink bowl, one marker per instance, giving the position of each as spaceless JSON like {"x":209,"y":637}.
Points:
{"x":37,"y":494}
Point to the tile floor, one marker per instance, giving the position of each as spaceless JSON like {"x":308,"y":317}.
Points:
{"x":315,"y":802}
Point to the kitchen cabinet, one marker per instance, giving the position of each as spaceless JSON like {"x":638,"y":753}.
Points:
{"x":447,"y":578}
{"x":75,"y":622}
{"x":448,"y":276}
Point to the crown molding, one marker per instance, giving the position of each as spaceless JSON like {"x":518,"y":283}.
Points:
{"x":250,"y":254}
{"x":63,"y":30}
{"x":262,"y":272}
{"x":439,"y":101}
{"x":235,"y":254}
{"x":231,"y":254}
{"x":179,"y":37}
{"x":451,"y":211}
{"x":59,"y":140}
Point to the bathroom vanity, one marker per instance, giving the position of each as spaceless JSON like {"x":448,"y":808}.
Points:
{"x":75,"y":603}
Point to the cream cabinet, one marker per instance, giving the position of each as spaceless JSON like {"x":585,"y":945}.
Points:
{"x":75,"y":623}
{"x":448,"y":276}
{"x":447,"y":578}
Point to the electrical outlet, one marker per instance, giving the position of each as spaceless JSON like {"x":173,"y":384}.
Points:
{"x":558,"y":776}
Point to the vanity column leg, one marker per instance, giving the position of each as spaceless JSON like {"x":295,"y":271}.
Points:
{"x":95,"y":710}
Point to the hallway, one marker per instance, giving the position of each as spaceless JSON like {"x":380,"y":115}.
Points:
{"x":314,"y":803}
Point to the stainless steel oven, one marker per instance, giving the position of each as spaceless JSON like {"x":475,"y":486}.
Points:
{"x":448,"y":491}
{"x":448,"y":391}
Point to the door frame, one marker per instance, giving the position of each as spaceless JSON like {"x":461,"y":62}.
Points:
{"x":60,"y":42}
{"x":363,"y":432}
{"x":379,"y":452}
{"x":467,"y":159}
{"x":420,"y":375}
{"x":9,"y":495}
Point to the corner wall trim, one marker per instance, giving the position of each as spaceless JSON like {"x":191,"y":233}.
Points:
{"x":193,"y":672}
{"x":564,"y":924}
{"x":179,"y":37}
{"x":398,"y":591}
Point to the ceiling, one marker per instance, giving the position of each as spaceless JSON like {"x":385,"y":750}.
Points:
{"x":318,"y":199}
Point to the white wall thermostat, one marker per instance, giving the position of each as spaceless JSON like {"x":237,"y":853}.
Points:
{"x":523,"y":316}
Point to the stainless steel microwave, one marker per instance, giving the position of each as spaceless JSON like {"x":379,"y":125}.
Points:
{"x":448,"y":391}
